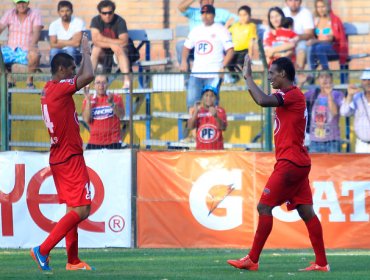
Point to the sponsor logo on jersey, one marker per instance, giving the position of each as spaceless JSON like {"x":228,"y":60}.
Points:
{"x":70,"y":81}
{"x":203,"y":47}
{"x":102,"y":112}
{"x":208,"y":133}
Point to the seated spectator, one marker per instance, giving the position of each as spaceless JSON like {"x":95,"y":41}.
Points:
{"x":323,"y":112}
{"x":24,"y":27}
{"x":102,"y":112}
{"x":110,"y":37}
{"x":303,"y":27}
{"x":357,"y":104}
{"x":223,"y":17}
{"x":65,"y":33}
{"x":209,"y":120}
{"x":211,"y":41}
{"x":244,"y":35}
{"x":330,"y":42}
{"x":279,"y":41}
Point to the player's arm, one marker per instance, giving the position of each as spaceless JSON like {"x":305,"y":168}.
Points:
{"x":257,"y":94}
{"x":85,"y":74}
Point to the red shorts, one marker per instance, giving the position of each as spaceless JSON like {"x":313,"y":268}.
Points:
{"x":288,"y":183}
{"x":72,"y":181}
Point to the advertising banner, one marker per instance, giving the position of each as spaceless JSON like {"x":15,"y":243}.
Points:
{"x":209,"y":199}
{"x":29,"y":203}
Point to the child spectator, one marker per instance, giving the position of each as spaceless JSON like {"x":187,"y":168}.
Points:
{"x":244,"y":34}
{"x":279,"y":41}
{"x":209,"y":120}
{"x":324,"y":105}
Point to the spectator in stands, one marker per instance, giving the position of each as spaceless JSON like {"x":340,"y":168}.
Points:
{"x":209,"y":120}
{"x":279,"y":41}
{"x":323,"y":107}
{"x":65,"y":33}
{"x":303,"y":26}
{"x":330,"y":42}
{"x":357,"y":103}
{"x":24,"y":26}
{"x":223,"y":17}
{"x":213,"y":52}
{"x":110,"y":37}
{"x":102,"y":112}
{"x":244,"y":35}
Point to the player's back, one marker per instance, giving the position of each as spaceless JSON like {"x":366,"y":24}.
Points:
{"x":61,"y":119}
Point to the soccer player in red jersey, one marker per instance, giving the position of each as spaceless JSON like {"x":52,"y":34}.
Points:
{"x":209,"y":120}
{"x":66,"y":154}
{"x":289,"y":180}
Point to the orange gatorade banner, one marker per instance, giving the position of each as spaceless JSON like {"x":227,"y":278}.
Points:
{"x":209,"y":199}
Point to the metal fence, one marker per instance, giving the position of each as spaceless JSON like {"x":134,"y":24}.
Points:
{"x":159,"y":114}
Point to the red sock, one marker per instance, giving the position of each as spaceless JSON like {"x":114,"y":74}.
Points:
{"x":263,"y":231}
{"x":60,"y":230}
{"x":315,"y":232}
{"x":72,"y":246}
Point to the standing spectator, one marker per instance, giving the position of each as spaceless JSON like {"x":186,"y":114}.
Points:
{"x":244,"y":35}
{"x":279,"y":41}
{"x":110,"y":37}
{"x":67,"y":163}
{"x":288,"y":182}
{"x":223,"y":17}
{"x":303,"y":26}
{"x":331,"y":42}
{"x":102,"y":112}
{"x":65,"y":33}
{"x":210,"y":40}
{"x":357,"y":103}
{"x":209,"y":120}
{"x":323,"y":106}
{"x":24,"y":26}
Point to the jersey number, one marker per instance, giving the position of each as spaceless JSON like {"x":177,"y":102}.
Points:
{"x":45,"y":115}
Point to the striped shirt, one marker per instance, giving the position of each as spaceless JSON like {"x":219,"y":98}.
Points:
{"x":20,"y":33}
{"x":360,"y":108}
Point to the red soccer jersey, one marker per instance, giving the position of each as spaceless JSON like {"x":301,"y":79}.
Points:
{"x":290,"y":127}
{"x":105,"y":125}
{"x":209,"y":137}
{"x":60,"y":117}
{"x":279,"y":37}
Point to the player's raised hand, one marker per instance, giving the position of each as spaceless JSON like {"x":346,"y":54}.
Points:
{"x":247,"y":68}
{"x":85,"y":44}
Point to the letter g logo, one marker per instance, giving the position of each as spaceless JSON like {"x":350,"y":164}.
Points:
{"x":213,"y":192}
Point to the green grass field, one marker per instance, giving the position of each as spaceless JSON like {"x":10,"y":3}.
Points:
{"x":185,"y":264}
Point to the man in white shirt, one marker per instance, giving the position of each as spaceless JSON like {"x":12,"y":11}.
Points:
{"x":303,"y":26}
{"x":65,"y":33}
{"x":213,"y":50}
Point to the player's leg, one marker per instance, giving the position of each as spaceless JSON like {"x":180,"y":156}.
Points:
{"x":314,"y":228}
{"x":264,"y":227}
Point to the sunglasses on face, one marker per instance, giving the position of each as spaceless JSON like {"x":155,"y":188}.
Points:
{"x":107,"y":13}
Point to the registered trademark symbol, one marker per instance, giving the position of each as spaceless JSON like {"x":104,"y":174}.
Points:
{"x":116,"y":223}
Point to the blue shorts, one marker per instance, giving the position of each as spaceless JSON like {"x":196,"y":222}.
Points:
{"x":16,"y":56}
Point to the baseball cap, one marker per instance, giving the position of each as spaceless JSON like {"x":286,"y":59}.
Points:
{"x":366,"y":74}
{"x":208,"y":9}
{"x":211,"y":88}
{"x":17,"y":1}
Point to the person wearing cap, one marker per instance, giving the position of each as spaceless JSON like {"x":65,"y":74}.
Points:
{"x":213,"y":51}
{"x":24,"y":27}
{"x":357,"y":104}
{"x":193,"y":14}
{"x":209,"y":120}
